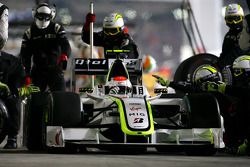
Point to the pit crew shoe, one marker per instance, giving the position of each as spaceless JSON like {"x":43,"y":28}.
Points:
{"x":11,"y":143}
{"x":244,"y":148}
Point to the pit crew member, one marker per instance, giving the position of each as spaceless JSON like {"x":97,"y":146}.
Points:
{"x":234,"y":16}
{"x":114,"y":36}
{"x":45,"y":43}
{"x":11,"y":82}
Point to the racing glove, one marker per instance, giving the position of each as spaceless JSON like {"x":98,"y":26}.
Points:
{"x":213,"y":87}
{"x":161,"y":81}
{"x":27,"y":80}
{"x":4,"y":89}
{"x":27,"y":90}
{"x":62,"y":61}
{"x":90,"y":18}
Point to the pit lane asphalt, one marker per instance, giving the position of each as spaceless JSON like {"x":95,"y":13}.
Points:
{"x":24,"y":158}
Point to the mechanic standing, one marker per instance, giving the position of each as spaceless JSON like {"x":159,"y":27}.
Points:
{"x":45,"y":43}
{"x":234,"y":15}
{"x":114,"y":35}
{"x":11,"y":78}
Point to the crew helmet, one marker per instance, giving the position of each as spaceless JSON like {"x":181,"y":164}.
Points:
{"x":241,"y":66}
{"x":234,"y":14}
{"x":113,"y":24}
{"x":206,"y":73}
{"x":43,"y":14}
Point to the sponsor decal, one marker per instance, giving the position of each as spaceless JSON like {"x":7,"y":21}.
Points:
{"x":89,"y":61}
{"x":135,"y":109}
{"x":137,"y":114}
{"x":91,"y":64}
{"x":138,"y":120}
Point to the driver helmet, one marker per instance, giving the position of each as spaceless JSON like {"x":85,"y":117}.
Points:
{"x":113,"y":24}
{"x":122,"y":85}
{"x":234,"y":16}
{"x":241,"y":70}
{"x":206,"y":73}
{"x":149,"y":63}
{"x":43,"y":15}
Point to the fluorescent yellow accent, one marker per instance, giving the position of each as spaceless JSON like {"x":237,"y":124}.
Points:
{"x":244,"y":58}
{"x":124,"y":127}
{"x":208,"y":134}
{"x":117,"y":51}
{"x":210,"y":68}
{"x":107,"y":77}
{"x":238,"y":73}
{"x":118,"y":16}
{"x":114,"y":33}
{"x":234,"y":21}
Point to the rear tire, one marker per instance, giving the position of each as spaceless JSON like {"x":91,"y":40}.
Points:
{"x":37,"y":105}
{"x":204,"y":110}
{"x":186,"y":69}
{"x":66,"y":109}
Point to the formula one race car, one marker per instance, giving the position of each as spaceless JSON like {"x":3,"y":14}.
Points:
{"x":120,"y":115}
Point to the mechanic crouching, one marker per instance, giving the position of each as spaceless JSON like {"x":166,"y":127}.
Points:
{"x":237,"y":125}
{"x":45,"y":43}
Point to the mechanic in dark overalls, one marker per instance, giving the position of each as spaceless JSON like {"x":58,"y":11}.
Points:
{"x":45,"y":43}
{"x":230,"y":48}
{"x":237,"y":125}
{"x":114,"y":35}
{"x":11,"y":78}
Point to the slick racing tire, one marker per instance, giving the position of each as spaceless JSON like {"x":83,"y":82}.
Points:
{"x":186,"y":69}
{"x":204,"y":114}
{"x":204,"y":110}
{"x":37,"y":105}
{"x":3,"y":121}
{"x":66,"y":109}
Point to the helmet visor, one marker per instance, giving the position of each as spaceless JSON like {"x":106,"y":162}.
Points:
{"x":43,"y":16}
{"x":239,"y":71}
{"x":234,"y":19}
{"x":112,"y":31}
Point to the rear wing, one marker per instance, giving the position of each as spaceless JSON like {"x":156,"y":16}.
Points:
{"x":81,"y":66}
{"x":102,"y":66}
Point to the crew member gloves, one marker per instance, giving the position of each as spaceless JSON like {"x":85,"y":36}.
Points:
{"x":161,"y":81}
{"x":27,"y":80}
{"x":62,"y":61}
{"x":27,"y":90}
{"x":90,"y":18}
{"x":213,"y":86}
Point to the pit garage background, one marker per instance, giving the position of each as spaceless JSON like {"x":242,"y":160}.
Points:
{"x":168,"y":30}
